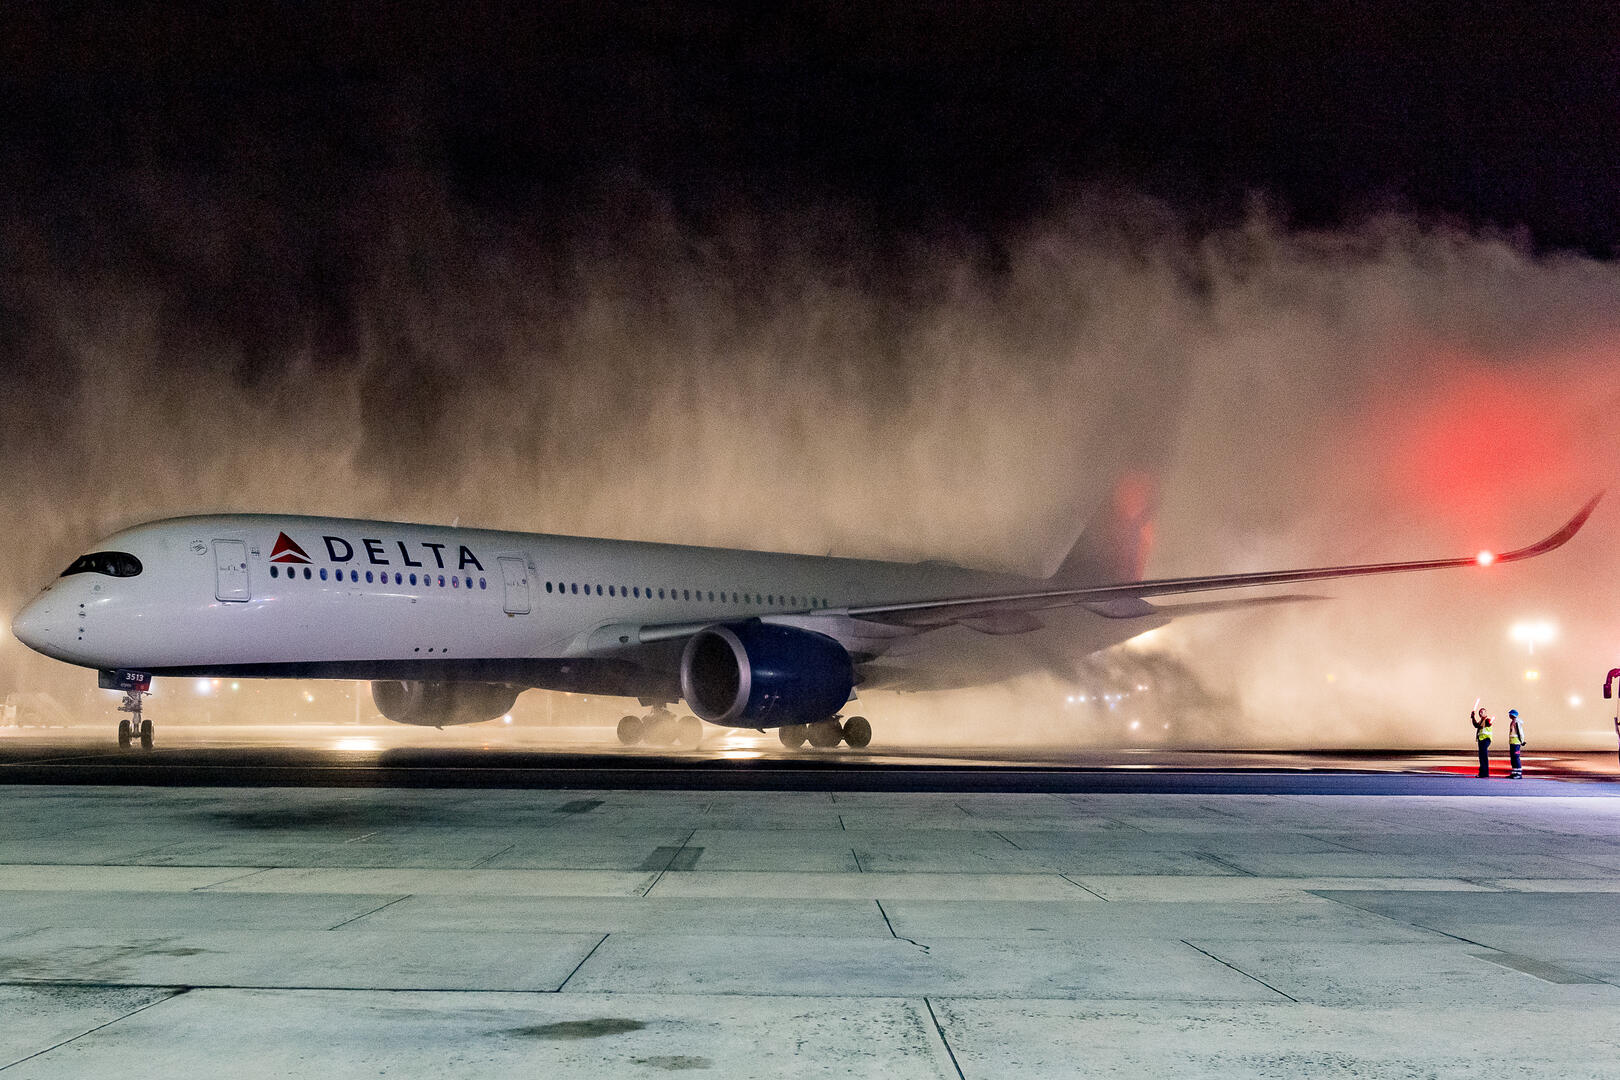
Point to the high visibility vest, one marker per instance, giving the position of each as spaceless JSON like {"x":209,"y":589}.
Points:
{"x":1484,"y":732}
{"x":1515,"y":734}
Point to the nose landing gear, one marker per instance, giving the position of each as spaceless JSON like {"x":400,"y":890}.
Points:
{"x":136,"y":726}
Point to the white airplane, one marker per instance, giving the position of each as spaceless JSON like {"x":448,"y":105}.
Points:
{"x":450,"y":625}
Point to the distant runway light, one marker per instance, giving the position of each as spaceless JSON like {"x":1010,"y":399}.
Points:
{"x":1135,"y":724}
{"x":1574,"y":701}
{"x":1533,"y":632}
{"x":204,"y":686}
{"x":507,"y":719}
{"x":1485,"y":558}
{"x":1532,"y":675}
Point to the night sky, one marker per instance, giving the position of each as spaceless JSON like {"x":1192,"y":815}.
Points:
{"x":885,"y":280}
{"x":914,"y":117}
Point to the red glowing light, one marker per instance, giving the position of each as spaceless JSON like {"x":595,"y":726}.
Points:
{"x":1485,"y":558}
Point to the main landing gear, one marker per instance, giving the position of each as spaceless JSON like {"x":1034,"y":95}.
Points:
{"x":135,"y":726}
{"x":661,"y":728}
{"x":856,"y":733}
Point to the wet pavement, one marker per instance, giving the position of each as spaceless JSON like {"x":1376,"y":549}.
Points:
{"x":391,"y":907}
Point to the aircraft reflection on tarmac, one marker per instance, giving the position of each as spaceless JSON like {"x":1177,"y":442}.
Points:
{"x":360,"y":744}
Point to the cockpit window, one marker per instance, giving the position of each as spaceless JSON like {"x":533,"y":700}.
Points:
{"x":111,"y":563}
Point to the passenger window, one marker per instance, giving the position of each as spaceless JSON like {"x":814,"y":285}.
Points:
{"x":660,"y":594}
{"x":413,"y":579}
{"x":323,"y":573}
{"x":275,"y":571}
{"x":368,"y":577}
{"x":441,"y":581}
{"x":610,"y":590}
{"x":455,"y":583}
{"x":635,"y":592}
{"x":483,"y":583}
{"x":306,"y":573}
{"x":686,"y":594}
{"x":548,"y":586}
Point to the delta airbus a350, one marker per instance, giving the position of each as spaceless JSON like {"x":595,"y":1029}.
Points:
{"x":450,"y":625}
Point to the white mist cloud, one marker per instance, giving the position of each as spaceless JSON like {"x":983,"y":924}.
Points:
{"x":1396,"y":390}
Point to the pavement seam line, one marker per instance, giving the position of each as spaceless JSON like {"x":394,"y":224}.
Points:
{"x":492,"y":857}
{"x":1239,"y":970}
{"x":1084,"y":888}
{"x":373,"y":911}
{"x":168,"y":997}
{"x":1218,"y":861}
{"x":890,"y":925}
{"x":997,"y":832}
{"x":1397,"y":921}
{"x":581,"y":964}
{"x":859,"y":869}
{"x":940,"y":1028}
{"x":667,"y":865}
{"x":238,"y":877}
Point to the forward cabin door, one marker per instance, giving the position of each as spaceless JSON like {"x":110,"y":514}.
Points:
{"x":230,"y":570}
{"x":515,"y":578}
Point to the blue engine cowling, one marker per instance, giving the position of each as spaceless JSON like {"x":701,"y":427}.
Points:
{"x":756,"y":674}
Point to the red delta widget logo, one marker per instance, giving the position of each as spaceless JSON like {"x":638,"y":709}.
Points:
{"x":288,"y":551}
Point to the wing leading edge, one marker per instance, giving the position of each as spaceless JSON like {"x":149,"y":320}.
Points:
{"x":952,"y":610}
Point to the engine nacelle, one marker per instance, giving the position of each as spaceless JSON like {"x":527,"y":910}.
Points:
{"x":757,"y":674}
{"x":440,"y":704}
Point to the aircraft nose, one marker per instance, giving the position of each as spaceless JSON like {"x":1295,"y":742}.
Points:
{"x":32,"y":625}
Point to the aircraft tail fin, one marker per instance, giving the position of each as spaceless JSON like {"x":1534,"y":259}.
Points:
{"x":1116,"y":541}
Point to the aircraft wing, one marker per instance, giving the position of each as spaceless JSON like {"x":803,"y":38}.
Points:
{"x":1127,"y":597}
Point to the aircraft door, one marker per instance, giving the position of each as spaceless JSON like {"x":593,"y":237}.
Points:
{"x":230,"y":570}
{"x":515,"y":578}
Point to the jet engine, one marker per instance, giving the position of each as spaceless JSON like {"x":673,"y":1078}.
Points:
{"x":440,"y":704}
{"x":757,"y":674}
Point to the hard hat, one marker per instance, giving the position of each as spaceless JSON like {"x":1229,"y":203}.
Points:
{"x":1513,"y":712}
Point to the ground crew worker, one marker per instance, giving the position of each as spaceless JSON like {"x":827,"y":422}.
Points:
{"x":1482,"y":736}
{"x":1515,"y":743}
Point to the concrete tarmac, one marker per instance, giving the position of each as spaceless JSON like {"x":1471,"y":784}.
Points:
{"x":163,"y":929}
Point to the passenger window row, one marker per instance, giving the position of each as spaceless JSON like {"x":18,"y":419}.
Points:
{"x":573,"y":588}
{"x":381,"y":577}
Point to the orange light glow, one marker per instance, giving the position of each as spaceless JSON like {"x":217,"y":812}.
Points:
{"x":1485,"y":558}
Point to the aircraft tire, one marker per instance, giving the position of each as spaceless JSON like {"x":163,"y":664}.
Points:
{"x":826,"y":734}
{"x":791,"y":735}
{"x":631,"y":730}
{"x":146,"y":734}
{"x":688,"y":732}
{"x":124,"y":733}
{"x":662,"y":731}
{"x":858,"y":732}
